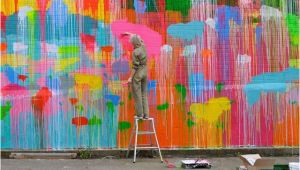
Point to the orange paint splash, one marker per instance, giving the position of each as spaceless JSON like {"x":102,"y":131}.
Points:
{"x":3,"y":47}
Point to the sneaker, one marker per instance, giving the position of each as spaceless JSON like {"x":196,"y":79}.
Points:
{"x":146,"y":117}
{"x":138,"y":117}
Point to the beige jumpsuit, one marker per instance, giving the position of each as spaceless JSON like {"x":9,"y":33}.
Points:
{"x":139,"y":82}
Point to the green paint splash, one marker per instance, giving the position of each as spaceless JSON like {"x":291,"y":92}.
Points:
{"x":163,"y":106}
{"x":130,"y":96}
{"x":294,"y":63}
{"x":255,"y":20}
{"x":79,"y":108}
{"x":124,"y":125}
{"x":272,"y":3}
{"x":189,"y":113}
{"x":5,"y":110}
{"x":68,"y":51}
{"x":220,"y":125}
{"x":190,"y":123}
{"x":121,"y":103}
{"x":33,"y":35}
{"x":182,"y":90}
{"x":292,"y":22}
{"x":95,"y":121}
{"x":110,"y":106}
{"x":219,"y":87}
{"x":151,"y":6}
{"x":182,"y":6}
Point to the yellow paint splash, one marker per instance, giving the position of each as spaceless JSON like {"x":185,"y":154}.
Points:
{"x":62,"y":64}
{"x":8,"y":7}
{"x":295,"y":63}
{"x":13,"y":60}
{"x":91,"y":81}
{"x":212,"y":110}
{"x":115,"y":86}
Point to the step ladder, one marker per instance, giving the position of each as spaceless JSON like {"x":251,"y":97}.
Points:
{"x":136,"y":131}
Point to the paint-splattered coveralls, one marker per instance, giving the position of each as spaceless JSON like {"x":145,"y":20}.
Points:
{"x":139,"y":82}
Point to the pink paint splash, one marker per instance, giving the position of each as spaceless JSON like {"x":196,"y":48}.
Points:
{"x":41,"y":81}
{"x":152,"y":39}
{"x":43,"y":65}
{"x":56,"y":104}
{"x":42,"y":5}
{"x":4,"y":80}
{"x":19,"y":97}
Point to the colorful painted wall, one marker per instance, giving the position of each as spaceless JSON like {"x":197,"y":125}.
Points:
{"x":222,"y":73}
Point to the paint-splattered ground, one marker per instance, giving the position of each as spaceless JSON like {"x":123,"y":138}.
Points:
{"x":227,"y":163}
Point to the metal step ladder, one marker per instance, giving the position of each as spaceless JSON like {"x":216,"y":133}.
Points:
{"x":136,"y":131}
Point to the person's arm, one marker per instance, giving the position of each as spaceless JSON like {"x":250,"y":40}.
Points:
{"x":131,"y":75}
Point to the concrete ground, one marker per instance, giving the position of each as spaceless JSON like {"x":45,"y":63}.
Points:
{"x":226,"y":163}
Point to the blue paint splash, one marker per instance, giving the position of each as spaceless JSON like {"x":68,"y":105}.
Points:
{"x":269,"y":82}
{"x":10,"y":74}
{"x":103,"y":34}
{"x":53,"y":83}
{"x":186,"y":31}
{"x":120,"y":67}
{"x":115,"y":99}
{"x":152,"y":85}
{"x":139,"y":6}
{"x":198,"y":84}
{"x":224,"y":15}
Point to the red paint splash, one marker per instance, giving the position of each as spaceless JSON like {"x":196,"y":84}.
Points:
{"x":80,"y":121}
{"x":182,"y":72}
{"x":42,"y":4}
{"x":89,"y":42}
{"x":107,"y":49}
{"x":73,"y":100}
{"x":2,"y":21}
{"x":40,"y":99}
{"x":90,"y":5}
{"x":22,"y":77}
{"x":126,"y":45}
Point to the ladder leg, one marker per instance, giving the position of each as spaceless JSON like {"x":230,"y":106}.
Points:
{"x":130,"y":140}
{"x":135,"y":141}
{"x":150,"y":136}
{"x":153,"y":126}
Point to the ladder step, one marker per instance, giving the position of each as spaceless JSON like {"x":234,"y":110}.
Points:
{"x":147,"y":147}
{"x":145,"y":132}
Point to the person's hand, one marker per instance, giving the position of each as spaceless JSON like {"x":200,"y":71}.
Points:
{"x":129,"y":80}
{"x":126,"y":34}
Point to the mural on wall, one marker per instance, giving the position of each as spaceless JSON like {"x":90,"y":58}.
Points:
{"x":222,"y":73}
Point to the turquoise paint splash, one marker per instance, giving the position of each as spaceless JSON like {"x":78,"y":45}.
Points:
{"x":269,"y":82}
{"x":186,"y":31}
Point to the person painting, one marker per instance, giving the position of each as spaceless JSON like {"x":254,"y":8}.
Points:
{"x":138,"y":76}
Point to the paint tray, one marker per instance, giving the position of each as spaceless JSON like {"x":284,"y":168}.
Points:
{"x":195,"y":164}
